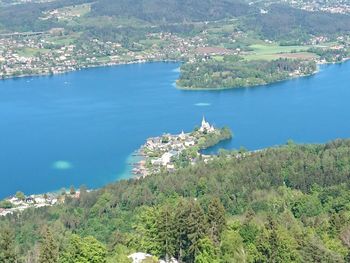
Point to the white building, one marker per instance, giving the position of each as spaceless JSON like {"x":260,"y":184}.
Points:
{"x":182,"y":135}
{"x":166,"y":158}
{"x":138,"y":257}
{"x":206,"y":127}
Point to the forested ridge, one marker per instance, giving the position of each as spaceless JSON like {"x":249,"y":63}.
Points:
{"x":27,"y":16}
{"x":283,"y":204}
{"x":168,"y":11}
{"x":279,"y":22}
{"x":283,"y":22}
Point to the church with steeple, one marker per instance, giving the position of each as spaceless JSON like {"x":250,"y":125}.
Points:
{"x":206,"y":127}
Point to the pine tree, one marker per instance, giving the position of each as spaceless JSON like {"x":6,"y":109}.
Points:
{"x":232,"y":247}
{"x":148,"y":229}
{"x":207,"y":252}
{"x":273,"y":237}
{"x":84,"y":250}
{"x":7,"y":246}
{"x":276,"y":245}
{"x":336,"y":222}
{"x":196,"y":227}
{"x":180,"y":227}
{"x":166,"y":232}
{"x":216,"y":219}
{"x":48,"y":250}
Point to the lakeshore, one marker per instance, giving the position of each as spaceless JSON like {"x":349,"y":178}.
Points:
{"x":144,"y":61}
{"x":164,"y":153}
{"x":197,"y":85}
{"x":94,"y":119}
{"x":35,"y":57}
{"x":70,"y":70}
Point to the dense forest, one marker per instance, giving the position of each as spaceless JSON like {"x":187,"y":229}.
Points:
{"x":233,"y":72}
{"x":168,"y":11}
{"x":157,"y":12}
{"x":284,"y":204}
{"x":280,"y":22}
{"x":284,"y":23}
{"x":28,"y":15}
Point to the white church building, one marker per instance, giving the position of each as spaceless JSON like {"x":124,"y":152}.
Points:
{"x":206,"y":127}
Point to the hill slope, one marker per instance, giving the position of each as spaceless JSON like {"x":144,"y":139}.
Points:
{"x":171,"y":11}
{"x":293,"y":200}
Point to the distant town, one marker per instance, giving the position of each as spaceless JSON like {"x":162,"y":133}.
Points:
{"x":55,"y":51}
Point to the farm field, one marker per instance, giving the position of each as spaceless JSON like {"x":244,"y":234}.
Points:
{"x":273,"y":51}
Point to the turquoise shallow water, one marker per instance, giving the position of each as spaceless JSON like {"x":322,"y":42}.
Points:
{"x":81,"y":127}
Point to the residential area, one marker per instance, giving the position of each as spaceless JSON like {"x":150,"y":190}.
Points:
{"x":21,"y":202}
{"x":54,"y":52}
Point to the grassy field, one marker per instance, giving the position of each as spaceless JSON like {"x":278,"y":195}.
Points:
{"x":64,"y":40}
{"x":222,"y":29}
{"x":272,"y":51}
{"x":273,"y":48}
{"x":154,"y":41}
{"x":31,"y":52}
{"x":218,"y":58}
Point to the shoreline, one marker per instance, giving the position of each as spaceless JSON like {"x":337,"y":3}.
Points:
{"x":140,"y":165}
{"x":318,"y":64}
{"x":112,"y":64}
{"x":246,"y":87}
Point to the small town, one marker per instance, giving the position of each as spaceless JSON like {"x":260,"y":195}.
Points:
{"x":169,"y":152}
{"x":329,"y":6}
{"x":56,"y":51}
{"x":334,"y":7}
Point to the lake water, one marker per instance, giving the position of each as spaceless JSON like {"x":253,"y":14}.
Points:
{"x":81,"y":127}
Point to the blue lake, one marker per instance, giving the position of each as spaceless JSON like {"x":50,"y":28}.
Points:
{"x":81,"y":127}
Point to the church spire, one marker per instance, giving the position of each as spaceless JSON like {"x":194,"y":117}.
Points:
{"x":203,"y":120}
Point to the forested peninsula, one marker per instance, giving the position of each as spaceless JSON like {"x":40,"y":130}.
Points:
{"x":234,"y":72}
{"x":284,"y":204}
